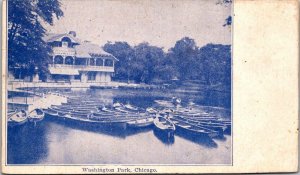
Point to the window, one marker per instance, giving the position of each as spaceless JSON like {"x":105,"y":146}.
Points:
{"x":69,"y":60}
{"x":92,"y":61}
{"x":109,"y":62}
{"x":58,"y":59}
{"x":99,"y":62}
{"x":66,"y":42}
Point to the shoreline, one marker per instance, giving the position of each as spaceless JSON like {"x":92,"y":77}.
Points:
{"x":17,"y":85}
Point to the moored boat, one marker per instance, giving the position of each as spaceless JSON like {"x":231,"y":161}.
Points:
{"x":192,"y":129}
{"x":164,"y":103}
{"x":151,"y":110}
{"x":50,"y":112}
{"x":130,"y":107}
{"x":18,"y":118}
{"x":143,"y":122}
{"x":122,"y":109}
{"x":164,"y":125}
{"x":117,"y":104}
{"x":9,"y":113}
{"x":36,"y":115}
{"x":88,"y":122}
{"x":60,"y":112}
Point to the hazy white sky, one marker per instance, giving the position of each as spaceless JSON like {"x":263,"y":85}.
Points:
{"x":159,"y":22}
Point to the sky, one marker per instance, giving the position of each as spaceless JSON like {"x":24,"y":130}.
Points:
{"x":158,"y":22}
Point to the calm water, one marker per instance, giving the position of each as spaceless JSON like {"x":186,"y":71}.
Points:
{"x":53,"y":142}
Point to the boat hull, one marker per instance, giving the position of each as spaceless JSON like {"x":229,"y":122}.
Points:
{"x":14,"y":123}
{"x":191,"y":133}
{"x":88,"y":123}
{"x":139,"y":125}
{"x":36,"y":119}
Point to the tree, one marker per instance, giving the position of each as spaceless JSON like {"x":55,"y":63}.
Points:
{"x":226,"y":3}
{"x":185,"y":59}
{"x":216,"y":60}
{"x":124,"y":52}
{"x":140,"y":63}
{"x":148,"y":60}
{"x":26,"y":48}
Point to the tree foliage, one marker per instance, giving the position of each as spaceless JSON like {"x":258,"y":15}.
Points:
{"x":186,"y":61}
{"x":27,"y":49}
{"x":228,"y":20}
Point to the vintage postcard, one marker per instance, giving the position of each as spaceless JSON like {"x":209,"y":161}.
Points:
{"x":149,"y":86}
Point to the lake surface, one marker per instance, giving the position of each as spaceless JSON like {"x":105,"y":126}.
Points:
{"x":54,"y":142}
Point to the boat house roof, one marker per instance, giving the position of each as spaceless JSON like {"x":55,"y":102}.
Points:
{"x":83,"y":49}
{"x":51,"y":37}
{"x":89,"y":50}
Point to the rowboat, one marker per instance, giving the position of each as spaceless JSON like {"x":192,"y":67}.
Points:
{"x":115,"y":105}
{"x":130,"y":107}
{"x":143,"y":122}
{"x":193,"y":113}
{"x":9,"y":113}
{"x":61,"y":107}
{"x":192,"y":129}
{"x":164,"y":125}
{"x":166,"y":111}
{"x":164,"y":103}
{"x":90,"y":110}
{"x":121,"y":109}
{"x":199,"y":119}
{"x":151,"y":110}
{"x":36,"y":115}
{"x":18,"y":118}
{"x":50,"y":112}
{"x":78,"y":114}
{"x":212,"y":124}
{"x":105,"y":109}
{"x":101,"y":114}
{"x":60,"y":112}
{"x":87,"y":122}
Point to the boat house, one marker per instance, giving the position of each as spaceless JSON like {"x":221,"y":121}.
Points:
{"x":73,"y":60}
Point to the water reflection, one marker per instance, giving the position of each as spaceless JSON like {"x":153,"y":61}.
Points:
{"x":201,"y":140}
{"x":27,"y":144}
{"x":164,"y":137}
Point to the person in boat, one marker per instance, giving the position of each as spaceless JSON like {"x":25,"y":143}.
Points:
{"x":176,"y":101}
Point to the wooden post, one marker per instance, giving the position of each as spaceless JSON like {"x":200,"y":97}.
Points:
{"x":64,"y":59}
{"x":27,"y":93}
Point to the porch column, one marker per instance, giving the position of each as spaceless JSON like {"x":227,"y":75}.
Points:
{"x":98,"y":77}
{"x":35,"y":77}
{"x":84,"y":77}
{"x":103,"y":62}
{"x":102,"y":77}
{"x":64,"y":59}
{"x":108,"y":77}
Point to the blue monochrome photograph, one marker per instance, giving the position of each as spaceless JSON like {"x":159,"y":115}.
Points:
{"x":99,"y":82}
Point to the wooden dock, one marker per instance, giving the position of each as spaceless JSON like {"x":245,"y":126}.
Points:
{"x":43,"y":101}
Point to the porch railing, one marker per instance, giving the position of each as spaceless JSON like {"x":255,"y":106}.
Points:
{"x":83,"y":67}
